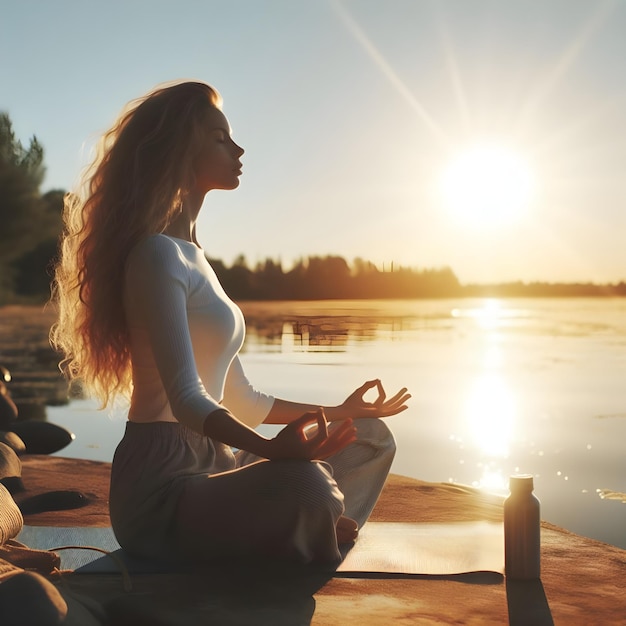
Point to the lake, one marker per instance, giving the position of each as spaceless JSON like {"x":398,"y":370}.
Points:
{"x":499,"y":387}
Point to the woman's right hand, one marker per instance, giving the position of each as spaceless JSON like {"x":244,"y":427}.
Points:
{"x":292,"y":441}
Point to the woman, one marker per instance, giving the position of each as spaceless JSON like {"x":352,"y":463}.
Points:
{"x":141,"y":313}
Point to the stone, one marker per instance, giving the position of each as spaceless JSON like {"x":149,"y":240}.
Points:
{"x":10,"y":469}
{"x":11,"y":520}
{"x":60,"y":500}
{"x":13,"y":440}
{"x":42,"y":437}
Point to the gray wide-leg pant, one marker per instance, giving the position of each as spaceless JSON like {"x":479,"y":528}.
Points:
{"x":179,"y":496}
{"x":360,"y":470}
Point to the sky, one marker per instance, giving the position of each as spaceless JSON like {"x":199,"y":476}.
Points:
{"x":488,"y":136}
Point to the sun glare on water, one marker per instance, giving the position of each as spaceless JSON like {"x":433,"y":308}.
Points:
{"x":487,"y":185}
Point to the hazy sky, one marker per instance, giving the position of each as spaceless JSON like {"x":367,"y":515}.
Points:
{"x":351,"y":111}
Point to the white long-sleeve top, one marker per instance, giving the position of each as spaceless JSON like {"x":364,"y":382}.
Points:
{"x":185,"y":335}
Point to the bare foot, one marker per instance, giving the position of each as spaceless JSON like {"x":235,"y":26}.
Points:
{"x":347,"y":530}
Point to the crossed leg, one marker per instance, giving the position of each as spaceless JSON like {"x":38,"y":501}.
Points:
{"x":282,"y":509}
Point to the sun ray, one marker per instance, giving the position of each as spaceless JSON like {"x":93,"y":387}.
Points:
{"x":554,"y":141}
{"x":387,"y":70}
{"x":455,"y":76}
{"x":556,"y":73}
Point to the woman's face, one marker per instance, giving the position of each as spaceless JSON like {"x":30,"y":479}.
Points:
{"x":218,"y":164}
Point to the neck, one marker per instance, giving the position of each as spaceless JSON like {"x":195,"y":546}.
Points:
{"x":184,"y":225}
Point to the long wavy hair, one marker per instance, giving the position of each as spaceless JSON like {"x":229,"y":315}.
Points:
{"x":134,"y":187}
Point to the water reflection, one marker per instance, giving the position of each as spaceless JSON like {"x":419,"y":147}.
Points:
{"x":314,"y":336}
{"x":487,"y":316}
{"x":320,"y":326}
{"x":490,"y":408}
{"x":336,"y":325}
{"x":304,"y":334}
{"x":490,"y":412}
{"x":490,"y":314}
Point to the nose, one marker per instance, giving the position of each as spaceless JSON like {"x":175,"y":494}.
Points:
{"x":238,"y":150}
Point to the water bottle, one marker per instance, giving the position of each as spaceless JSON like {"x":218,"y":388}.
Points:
{"x":521,"y":530}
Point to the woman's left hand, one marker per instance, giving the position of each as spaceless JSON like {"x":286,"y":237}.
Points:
{"x":355,"y":405}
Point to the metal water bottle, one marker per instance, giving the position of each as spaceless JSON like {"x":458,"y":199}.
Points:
{"x":521,"y":530}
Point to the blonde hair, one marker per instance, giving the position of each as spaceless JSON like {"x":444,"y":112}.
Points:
{"x":134,"y":187}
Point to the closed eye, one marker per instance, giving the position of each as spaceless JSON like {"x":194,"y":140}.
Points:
{"x":221,"y":135}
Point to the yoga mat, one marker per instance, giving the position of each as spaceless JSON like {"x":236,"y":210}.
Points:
{"x":381,"y":548}
{"x":86,"y":561}
{"x":432,"y":549}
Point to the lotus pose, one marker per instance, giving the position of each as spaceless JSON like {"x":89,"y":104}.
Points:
{"x":142,"y":314}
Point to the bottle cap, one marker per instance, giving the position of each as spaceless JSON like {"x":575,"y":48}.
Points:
{"x":521,"y":481}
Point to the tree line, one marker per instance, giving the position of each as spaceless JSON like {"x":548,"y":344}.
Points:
{"x":30,"y":225}
{"x":329,"y":278}
{"x":30,"y":222}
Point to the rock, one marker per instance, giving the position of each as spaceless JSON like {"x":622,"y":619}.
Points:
{"x":42,"y":437}
{"x":53,"y":501}
{"x":10,"y":469}
{"x":13,"y":440}
{"x":11,"y":521}
{"x":28,"y":598}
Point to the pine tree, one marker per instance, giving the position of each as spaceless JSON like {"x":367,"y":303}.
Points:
{"x":24,"y":218}
{"x":21,"y":174}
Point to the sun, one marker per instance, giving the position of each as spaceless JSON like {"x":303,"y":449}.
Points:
{"x":487,"y":185}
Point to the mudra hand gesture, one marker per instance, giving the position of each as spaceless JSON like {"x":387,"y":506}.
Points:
{"x":308,"y":438}
{"x":355,"y":405}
